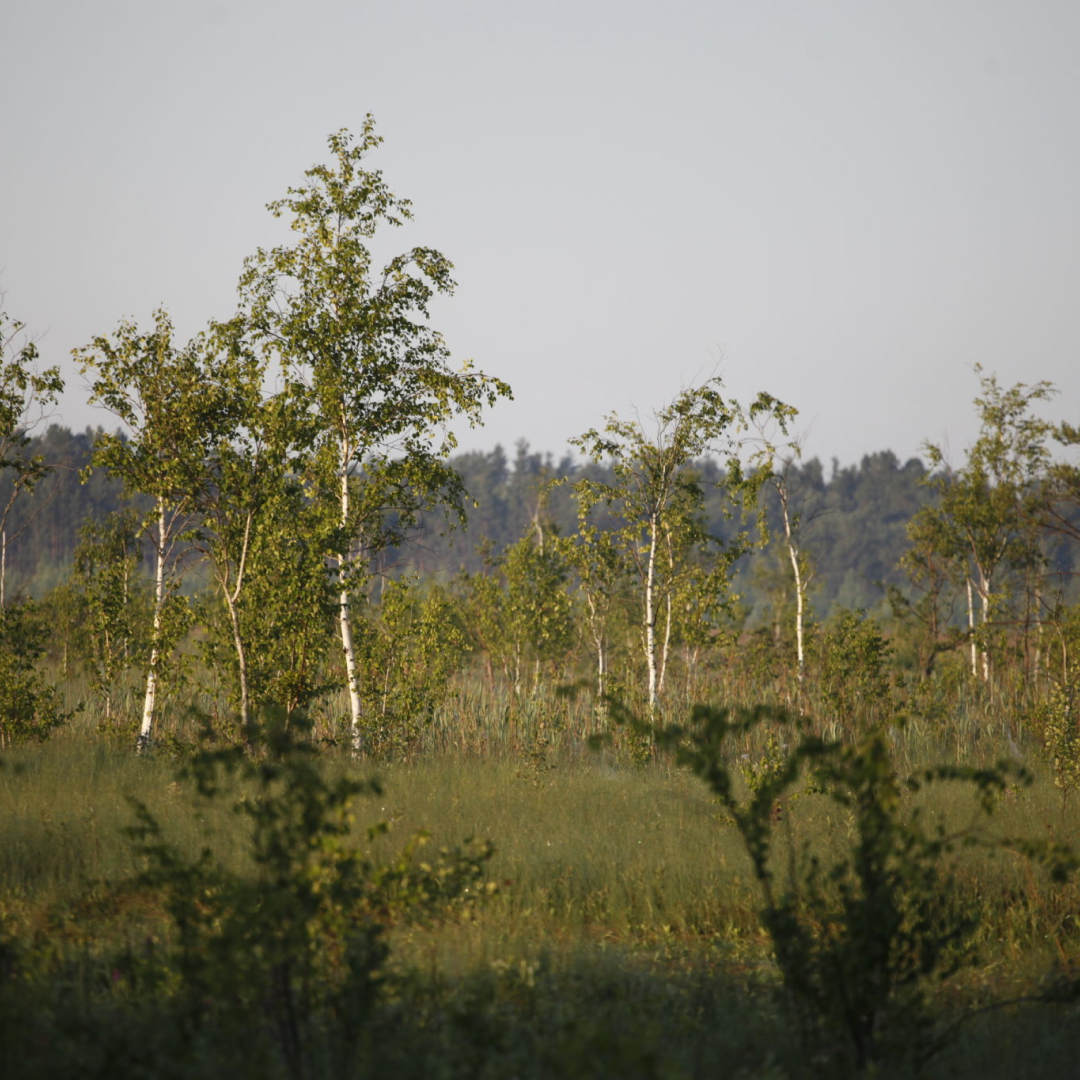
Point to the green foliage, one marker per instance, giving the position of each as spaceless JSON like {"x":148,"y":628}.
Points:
{"x":982,"y":531}
{"x":536,"y":607}
{"x":354,"y":338}
{"x":519,"y":611}
{"x":115,"y":600}
{"x":656,"y":497}
{"x":626,"y":941}
{"x":287,"y":606}
{"x":1059,"y":720}
{"x":409,"y":649}
{"x":361,"y":362}
{"x":859,"y":937}
{"x":295,"y":947}
{"x":771,"y":763}
{"x":854,"y":671}
{"x":30,"y":708}
{"x":26,"y":395}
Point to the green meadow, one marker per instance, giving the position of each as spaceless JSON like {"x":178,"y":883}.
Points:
{"x":616,"y":929}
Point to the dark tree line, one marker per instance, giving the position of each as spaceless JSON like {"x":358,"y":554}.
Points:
{"x":856,"y":534}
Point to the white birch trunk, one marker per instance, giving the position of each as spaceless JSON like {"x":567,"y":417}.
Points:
{"x":241,"y":664}
{"x":800,"y":588}
{"x":984,"y":597}
{"x":232,"y":599}
{"x":800,"y":650}
{"x":597,"y":627}
{"x":971,"y":630}
{"x":150,"y":697}
{"x":666,"y":650}
{"x":650,"y":617}
{"x":352,"y":675}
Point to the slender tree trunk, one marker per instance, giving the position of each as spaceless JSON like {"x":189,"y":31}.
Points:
{"x":352,"y":674}
{"x":692,"y":656}
{"x":665,"y":652}
{"x":150,"y":697}
{"x":232,"y":599}
{"x":597,"y":627}
{"x":650,"y":617}
{"x":800,"y":605}
{"x":601,"y":668}
{"x":241,"y":664}
{"x":984,"y":598}
{"x":971,"y":630}
{"x":1037,"y":660}
{"x":800,"y":585}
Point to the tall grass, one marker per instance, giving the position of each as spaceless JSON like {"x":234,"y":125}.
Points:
{"x":624,"y":939}
{"x":585,"y":845}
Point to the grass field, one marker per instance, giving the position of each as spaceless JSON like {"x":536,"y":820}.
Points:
{"x":624,"y":937}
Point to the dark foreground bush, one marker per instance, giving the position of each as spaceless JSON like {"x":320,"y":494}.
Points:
{"x":275,"y":967}
{"x":861,"y":936}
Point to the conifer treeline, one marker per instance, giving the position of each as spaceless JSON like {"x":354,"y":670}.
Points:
{"x":857,"y":518}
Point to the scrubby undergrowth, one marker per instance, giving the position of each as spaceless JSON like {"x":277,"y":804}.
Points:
{"x":615,"y":931}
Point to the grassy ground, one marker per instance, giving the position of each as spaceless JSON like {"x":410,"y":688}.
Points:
{"x":623,"y":940}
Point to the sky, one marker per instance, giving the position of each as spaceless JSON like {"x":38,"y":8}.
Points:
{"x":846,"y":204}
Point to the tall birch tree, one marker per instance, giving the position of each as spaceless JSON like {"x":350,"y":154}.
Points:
{"x":988,"y":513}
{"x":239,"y":482}
{"x":157,"y":391}
{"x":355,"y":344}
{"x":657,"y":499}
{"x":778,"y":463}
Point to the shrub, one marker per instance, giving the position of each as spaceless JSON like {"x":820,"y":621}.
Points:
{"x":29,"y":707}
{"x":287,"y":959}
{"x":854,"y":676}
{"x":859,"y":939}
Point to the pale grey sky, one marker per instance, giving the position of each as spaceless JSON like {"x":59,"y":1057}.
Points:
{"x":852,"y":202}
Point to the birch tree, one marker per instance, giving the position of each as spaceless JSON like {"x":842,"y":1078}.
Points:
{"x":157,"y":391}
{"x":242,"y":474}
{"x":598,"y":563}
{"x":657,"y":498}
{"x":354,"y":344}
{"x":778,"y":462}
{"x":987,"y":516}
{"x":211,"y":449}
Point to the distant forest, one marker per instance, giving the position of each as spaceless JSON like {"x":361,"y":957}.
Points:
{"x":854,"y":521}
